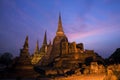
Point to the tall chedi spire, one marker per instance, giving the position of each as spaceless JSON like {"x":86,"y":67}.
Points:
{"x":37,"y":47}
{"x":24,"y":58}
{"x":45,"y":39}
{"x":58,"y":40}
{"x":26,"y":46}
{"x":36,"y":55}
{"x":60,"y":31}
{"x":44,"y":45}
{"x":25,"y":49}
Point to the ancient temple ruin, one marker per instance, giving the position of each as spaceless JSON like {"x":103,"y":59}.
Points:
{"x":59,"y":56}
{"x":63,"y":56}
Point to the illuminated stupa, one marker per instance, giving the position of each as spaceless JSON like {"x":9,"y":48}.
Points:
{"x":62,"y":56}
{"x":24,"y":60}
{"x":39,"y":53}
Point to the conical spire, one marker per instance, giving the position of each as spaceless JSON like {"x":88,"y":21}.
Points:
{"x":37,"y":47}
{"x":45,"y":39}
{"x":26,"y":46}
{"x":60,"y":28}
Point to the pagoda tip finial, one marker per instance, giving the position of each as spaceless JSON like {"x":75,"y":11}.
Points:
{"x":45,"y":38}
{"x":60,"y":31}
{"x":26,"y":43}
{"x":37,"y":47}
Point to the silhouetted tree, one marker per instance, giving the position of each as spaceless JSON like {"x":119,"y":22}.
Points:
{"x":6,"y":58}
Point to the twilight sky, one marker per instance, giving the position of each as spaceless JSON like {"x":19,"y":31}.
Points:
{"x":96,"y":23}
